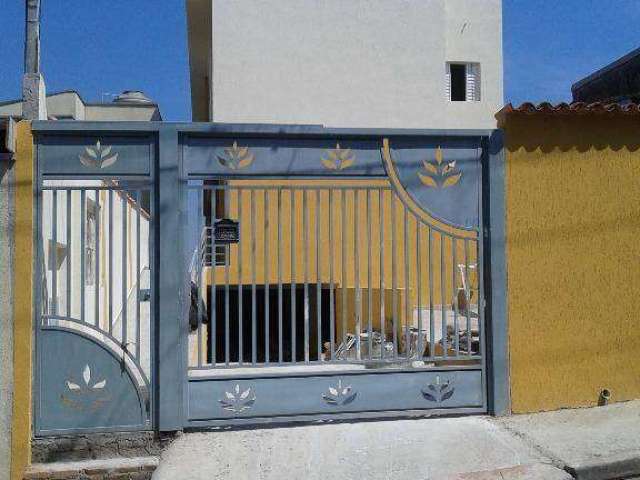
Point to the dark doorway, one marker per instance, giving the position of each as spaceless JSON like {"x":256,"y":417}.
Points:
{"x":242,"y":332}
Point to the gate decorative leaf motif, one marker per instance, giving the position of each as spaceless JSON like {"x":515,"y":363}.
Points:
{"x":236,"y":157}
{"x":236,"y":401}
{"x":439,"y":174}
{"x":86,"y":376}
{"x":339,"y":158}
{"x":340,"y":395}
{"x":438,"y":392}
{"x":88,"y":396}
{"x":98,"y":156}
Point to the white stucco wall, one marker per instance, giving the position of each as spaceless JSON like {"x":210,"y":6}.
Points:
{"x":355,"y":63}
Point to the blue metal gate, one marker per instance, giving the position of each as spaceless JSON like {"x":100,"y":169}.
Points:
{"x":94,"y":323}
{"x":332,"y":277}
{"x":211,"y":275}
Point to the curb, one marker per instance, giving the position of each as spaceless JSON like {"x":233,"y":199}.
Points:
{"x":536,"y":471}
{"x":612,"y":468}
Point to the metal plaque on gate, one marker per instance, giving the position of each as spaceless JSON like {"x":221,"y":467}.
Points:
{"x":226,"y":231}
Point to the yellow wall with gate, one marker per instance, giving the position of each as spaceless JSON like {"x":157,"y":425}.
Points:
{"x":573,"y":252}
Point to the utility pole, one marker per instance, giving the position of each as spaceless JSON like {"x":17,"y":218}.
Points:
{"x":32,"y":37}
{"x":34,"y":101}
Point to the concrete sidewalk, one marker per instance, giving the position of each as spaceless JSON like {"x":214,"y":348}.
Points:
{"x":600,"y":443}
{"x":592,"y":443}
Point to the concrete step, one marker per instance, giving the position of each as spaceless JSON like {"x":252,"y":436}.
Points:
{"x":439,"y":448}
{"x":137,"y":468}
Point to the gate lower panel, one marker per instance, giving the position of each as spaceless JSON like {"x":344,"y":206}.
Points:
{"x":212,"y":401}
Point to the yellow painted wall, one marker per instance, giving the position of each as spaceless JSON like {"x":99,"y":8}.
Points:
{"x":573,"y":246}
{"x":23,"y":330}
{"x":331,"y":254}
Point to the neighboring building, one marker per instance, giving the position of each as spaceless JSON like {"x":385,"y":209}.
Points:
{"x":375,"y":63}
{"x":69,"y":105}
{"x":617,"y":82}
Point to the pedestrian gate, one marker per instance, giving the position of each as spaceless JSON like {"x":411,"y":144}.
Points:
{"x":321,"y":274}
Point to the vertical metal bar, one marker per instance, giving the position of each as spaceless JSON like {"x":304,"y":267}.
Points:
{"x":69,"y":253}
{"x":172,"y":290}
{"x":227,"y":340}
{"x":343,"y":256}
{"x":318,"y":280}
{"x":138,"y":240}
{"x":406,"y":284}
{"x":369,"y":286}
{"x":305,"y":261}
{"x":432,"y":333}
{"x":480,"y":299}
{"x":240,"y":312}
{"x":279,"y":240}
{"x":267,"y":231}
{"x":54,"y":252}
{"x":124,"y":285}
{"x":456,"y":330}
{"x":419,"y":288}
{"x":443,"y":283}
{"x":467,"y":291}
{"x":213,"y":307}
{"x":332,"y":327}
{"x":497,"y":384}
{"x":293,"y":274}
{"x":383,"y":329}
{"x":152,"y":265}
{"x":83,"y":249}
{"x":199,"y":268}
{"x":96,"y":305}
{"x":356,"y":255}
{"x":254,"y":325}
{"x":394,"y":274}
{"x":110,"y":309}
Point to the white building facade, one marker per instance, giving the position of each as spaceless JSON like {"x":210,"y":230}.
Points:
{"x":347,"y":63}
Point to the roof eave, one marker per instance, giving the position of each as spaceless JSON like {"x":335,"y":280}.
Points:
{"x":199,"y":29}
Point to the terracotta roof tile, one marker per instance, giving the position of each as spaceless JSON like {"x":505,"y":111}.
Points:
{"x":577,"y":108}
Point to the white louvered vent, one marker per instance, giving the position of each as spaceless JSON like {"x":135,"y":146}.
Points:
{"x":448,"y":82}
{"x":473,"y":82}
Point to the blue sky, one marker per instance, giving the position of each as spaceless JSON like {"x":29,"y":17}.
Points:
{"x":106,"y":46}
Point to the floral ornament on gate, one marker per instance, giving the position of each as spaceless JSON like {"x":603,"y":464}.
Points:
{"x":338,"y":158}
{"x":85,"y":395}
{"x":98,"y":156}
{"x":438,"y":392}
{"x":340,"y":395}
{"x":236,"y":157}
{"x":439,"y":174}
{"x":236,"y":401}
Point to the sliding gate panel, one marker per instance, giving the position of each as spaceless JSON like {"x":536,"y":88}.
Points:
{"x":94,"y":286}
{"x":332,"y":277}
